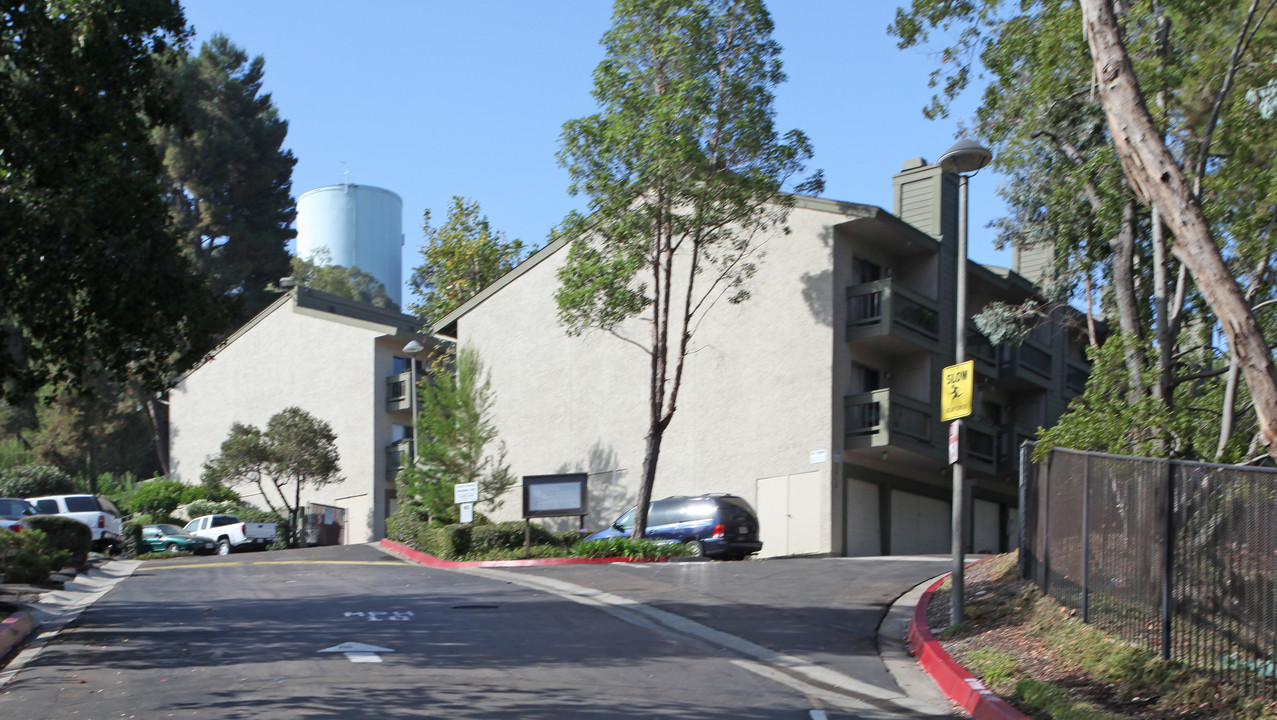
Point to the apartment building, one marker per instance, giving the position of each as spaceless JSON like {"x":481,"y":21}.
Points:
{"x":817,"y":400}
{"x":343,"y":362}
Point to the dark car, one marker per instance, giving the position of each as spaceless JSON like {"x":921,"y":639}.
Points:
{"x":171,"y":538}
{"x":14,"y":512}
{"x":720,"y":526}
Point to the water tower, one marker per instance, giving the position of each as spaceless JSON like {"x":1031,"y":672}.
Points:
{"x":359,"y":225}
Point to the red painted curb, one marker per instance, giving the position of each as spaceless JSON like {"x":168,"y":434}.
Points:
{"x":955,"y":682}
{"x":431,"y":561}
{"x":13,"y":630}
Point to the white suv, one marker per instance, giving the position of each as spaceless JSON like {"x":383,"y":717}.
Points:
{"x":100,"y":514}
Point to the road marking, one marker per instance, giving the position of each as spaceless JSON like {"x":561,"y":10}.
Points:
{"x":272,"y":562}
{"x":795,"y":671}
{"x":358,"y":652}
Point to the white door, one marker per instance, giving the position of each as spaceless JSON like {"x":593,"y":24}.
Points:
{"x":789,"y":508}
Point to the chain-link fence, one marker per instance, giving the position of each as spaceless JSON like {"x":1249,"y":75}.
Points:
{"x":1179,"y":557}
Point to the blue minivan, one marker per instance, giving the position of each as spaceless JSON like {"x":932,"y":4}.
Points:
{"x":719,"y":526}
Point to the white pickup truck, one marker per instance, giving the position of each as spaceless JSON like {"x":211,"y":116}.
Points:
{"x":231,"y":534}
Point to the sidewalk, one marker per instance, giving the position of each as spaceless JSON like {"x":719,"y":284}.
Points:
{"x":49,"y":610}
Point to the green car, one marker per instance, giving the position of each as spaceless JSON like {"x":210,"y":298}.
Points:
{"x":171,"y":538}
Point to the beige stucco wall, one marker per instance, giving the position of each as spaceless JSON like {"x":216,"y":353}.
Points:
{"x":755,"y":403}
{"x":328,"y":367}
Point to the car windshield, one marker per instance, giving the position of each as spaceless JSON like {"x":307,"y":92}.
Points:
{"x":15,"y":507}
{"x":626,"y":521}
{"x":170,"y":530}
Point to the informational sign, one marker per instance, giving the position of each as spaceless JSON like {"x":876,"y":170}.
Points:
{"x":467,"y":512}
{"x":554,"y":495}
{"x":465,"y":492}
{"x":955,"y":434}
{"x":819,"y":456}
{"x":957,"y":389}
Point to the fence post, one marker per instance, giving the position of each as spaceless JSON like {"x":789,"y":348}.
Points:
{"x":1024,"y":506}
{"x":1045,"y":519}
{"x":1168,"y":602}
{"x":1086,"y":538}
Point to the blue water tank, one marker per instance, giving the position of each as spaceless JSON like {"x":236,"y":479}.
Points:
{"x":359,"y":225}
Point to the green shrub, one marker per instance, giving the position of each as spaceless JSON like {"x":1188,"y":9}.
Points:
{"x":64,"y":533}
{"x":506,"y":536}
{"x":117,"y":488}
{"x":31,"y":560}
{"x":131,"y":542}
{"x":158,"y":496}
{"x":629,"y":548}
{"x":14,"y":453}
{"x":34,"y":481}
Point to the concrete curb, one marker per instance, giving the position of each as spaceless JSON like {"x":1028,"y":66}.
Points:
{"x":431,"y":561}
{"x":955,"y":682}
{"x":13,"y":630}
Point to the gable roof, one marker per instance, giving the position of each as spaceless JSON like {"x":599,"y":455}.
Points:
{"x":333,"y":308}
{"x":447,"y":326}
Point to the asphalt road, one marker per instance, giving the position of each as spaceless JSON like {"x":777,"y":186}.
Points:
{"x":287,"y":635}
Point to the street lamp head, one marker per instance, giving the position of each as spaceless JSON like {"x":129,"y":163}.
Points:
{"x":413,"y":347}
{"x":966,"y":156}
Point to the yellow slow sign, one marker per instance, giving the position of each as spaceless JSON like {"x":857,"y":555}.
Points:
{"x":957,"y":390}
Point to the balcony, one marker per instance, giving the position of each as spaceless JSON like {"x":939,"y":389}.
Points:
{"x":887,"y":418}
{"x":893,"y":318}
{"x":1010,"y":437}
{"x":1075,"y":375}
{"x":1028,"y":364}
{"x":982,"y":351}
{"x":981,"y":446}
{"x":399,"y":392}
{"x":398,"y":456}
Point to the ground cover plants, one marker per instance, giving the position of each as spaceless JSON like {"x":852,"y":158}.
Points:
{"x":1051,"y":666}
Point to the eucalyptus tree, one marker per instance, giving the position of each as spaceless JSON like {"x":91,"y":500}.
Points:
{"x":683,"y":171}
{"x":1045,"y":113}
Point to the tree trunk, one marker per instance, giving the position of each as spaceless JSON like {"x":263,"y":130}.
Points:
{"x":1128,"y":321}
{"x":1152,"y":172}
{"x":157,"y":413}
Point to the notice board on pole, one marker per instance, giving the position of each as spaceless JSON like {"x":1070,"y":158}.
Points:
{"x":554,"y":495}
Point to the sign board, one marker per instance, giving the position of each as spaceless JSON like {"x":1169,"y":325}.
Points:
{"x":554,"y":495}
{"x":467,"y":512}
{"x":819,"y":456}
{"x":955,"y":432}
{"x":957,"y":389}
{"x":465,"y":492}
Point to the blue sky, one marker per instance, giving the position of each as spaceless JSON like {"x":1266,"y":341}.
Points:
{"x":431,"y":99}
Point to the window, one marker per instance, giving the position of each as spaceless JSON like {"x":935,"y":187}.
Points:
{"x":82,"y":503}
{"x":47,"y":507}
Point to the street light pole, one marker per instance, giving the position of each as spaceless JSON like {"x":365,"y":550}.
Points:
{"x":966,"y":156}
{"x":413,"y":348}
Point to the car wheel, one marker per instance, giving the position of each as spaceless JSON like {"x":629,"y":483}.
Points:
{"x":172,"y":547}
{"x":698,"y":550}
{"x":223,"y":547}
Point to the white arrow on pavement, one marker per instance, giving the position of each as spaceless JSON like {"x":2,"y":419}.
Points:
{"x":358,"y":652}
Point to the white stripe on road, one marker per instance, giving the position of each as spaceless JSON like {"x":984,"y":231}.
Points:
{"x":774,"y":664}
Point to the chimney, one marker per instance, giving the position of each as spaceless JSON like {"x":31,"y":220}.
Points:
{"x":927,"y":198}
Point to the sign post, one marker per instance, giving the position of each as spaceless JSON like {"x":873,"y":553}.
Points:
{"x":466,"y":495}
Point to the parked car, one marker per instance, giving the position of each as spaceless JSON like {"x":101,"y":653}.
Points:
{"x":229,"y":533}
{"x":100,"y":514}
{"x":721,"y":526}
{"x":14,"y":513}
{"x":171,"y":538}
